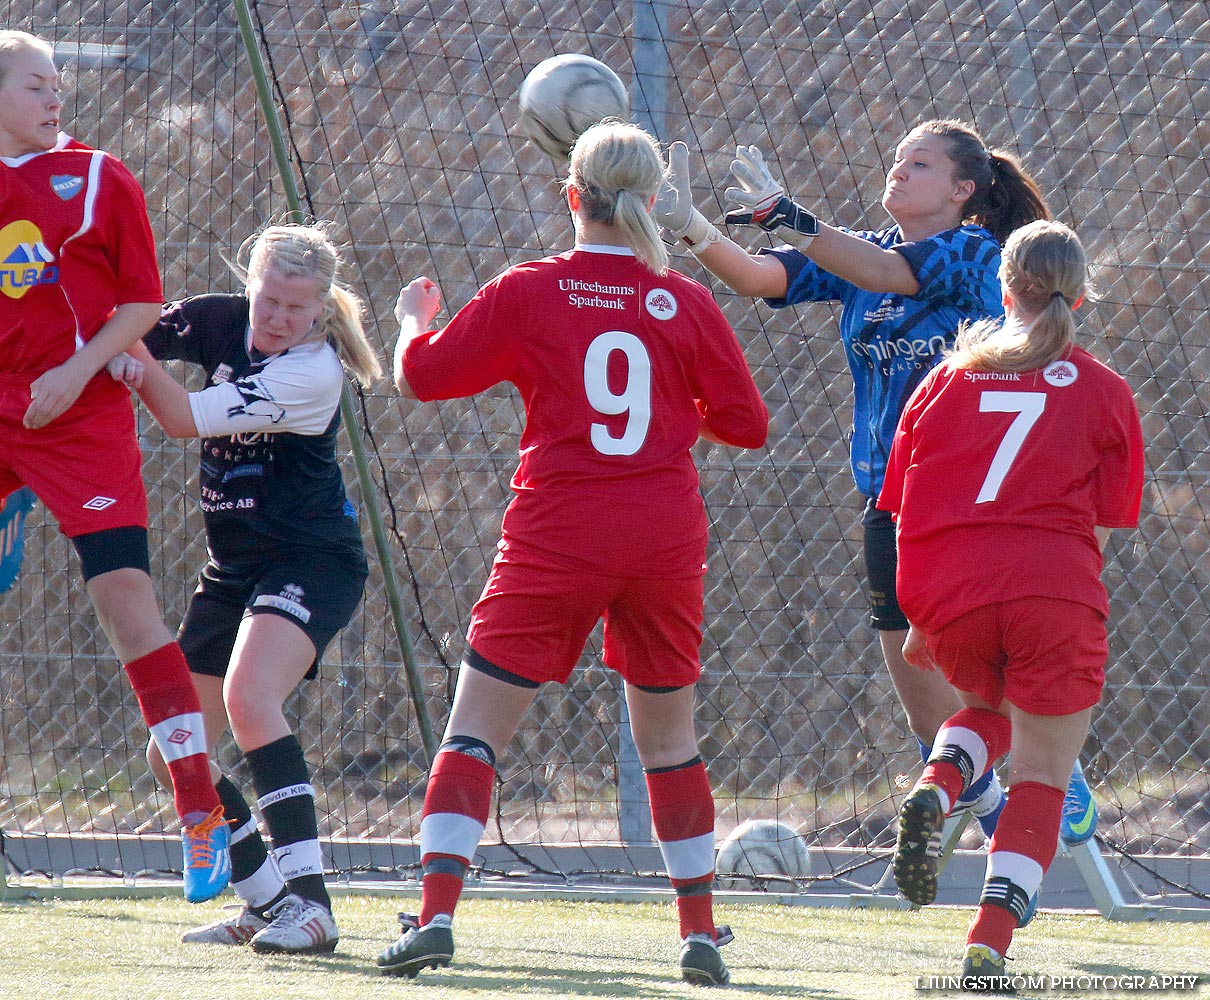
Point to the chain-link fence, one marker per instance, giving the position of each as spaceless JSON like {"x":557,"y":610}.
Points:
{"x":400,"y":124}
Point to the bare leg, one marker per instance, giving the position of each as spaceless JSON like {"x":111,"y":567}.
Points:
{"x":487,"y":709}
{"x":662,"y":725}
{"x":926,"y":696}
{"x":129,"y":613}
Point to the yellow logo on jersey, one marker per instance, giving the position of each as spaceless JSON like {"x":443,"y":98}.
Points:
{"x":24,"y":259}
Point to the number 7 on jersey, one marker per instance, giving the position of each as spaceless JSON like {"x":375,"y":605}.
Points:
{"x":1028,"y":407}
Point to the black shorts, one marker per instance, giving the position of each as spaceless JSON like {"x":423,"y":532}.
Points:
{"x":880,"y":562}
{"x":317,"y":591}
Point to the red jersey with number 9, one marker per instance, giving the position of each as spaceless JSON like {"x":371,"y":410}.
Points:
{"x":618,"y":369}
{"x":998,"y":479}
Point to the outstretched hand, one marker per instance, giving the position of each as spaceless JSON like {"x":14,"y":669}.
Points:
{"x":674,"y":209}
{"x":761,"y":200}
{"x":757,"y":193}
{"x":674,"y":204}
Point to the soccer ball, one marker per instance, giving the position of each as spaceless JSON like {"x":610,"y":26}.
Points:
{"x":761,"y":847}
{"x":564,"y":95}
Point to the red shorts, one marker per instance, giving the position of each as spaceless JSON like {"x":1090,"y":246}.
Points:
{"x":1044,"y":655}
{"x":533,"y":621}
{"x":85,"y":466}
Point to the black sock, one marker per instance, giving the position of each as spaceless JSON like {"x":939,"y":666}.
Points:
{"x":287,"y":803}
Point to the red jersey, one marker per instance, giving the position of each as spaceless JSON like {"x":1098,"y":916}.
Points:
{"x":998,"y":479}
{"x":618,"y":369}
{"x":75,"y":244}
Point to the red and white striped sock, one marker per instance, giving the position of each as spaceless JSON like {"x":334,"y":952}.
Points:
{"x":173,"y":713}
{"x":967,"y":745}
{"x":682,"y":811}
{"x":1022,"y":848}
{"x":457,"y":801}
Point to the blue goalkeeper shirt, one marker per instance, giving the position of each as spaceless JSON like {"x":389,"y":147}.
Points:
{"x":892,"y":341}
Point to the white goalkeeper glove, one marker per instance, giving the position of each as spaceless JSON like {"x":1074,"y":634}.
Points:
{"x":761,"y":200}
{"x":674,"y":209}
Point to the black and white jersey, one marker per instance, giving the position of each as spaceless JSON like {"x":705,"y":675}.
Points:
{"x":269,"y":476}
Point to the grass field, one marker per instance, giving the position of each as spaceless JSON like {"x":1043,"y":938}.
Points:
{"x":129,"y":950}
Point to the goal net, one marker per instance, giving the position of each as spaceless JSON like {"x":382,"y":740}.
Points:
{"x":399,"y":123}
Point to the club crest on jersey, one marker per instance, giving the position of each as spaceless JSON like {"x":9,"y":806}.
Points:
{"x":1060,"y":373}
{"x":66,"y":186}
{"x":660,"y":303}
{"x":25,"y":261}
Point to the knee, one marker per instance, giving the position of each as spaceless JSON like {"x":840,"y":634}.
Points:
{"x":250,"y":714}
{"x":244,"y":712}
{"x":666,"y":747}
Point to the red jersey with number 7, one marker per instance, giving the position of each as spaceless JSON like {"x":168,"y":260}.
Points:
{"x":618,"y":369}
{"x":998,"y":479}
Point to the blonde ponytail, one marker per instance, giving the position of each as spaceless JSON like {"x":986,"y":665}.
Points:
{"x":341,"y":322}
{"x":617,"y":168}
{"x":1044,"y":271}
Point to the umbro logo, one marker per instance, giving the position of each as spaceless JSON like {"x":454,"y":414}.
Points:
{"x":179,"y":736}
{"x":100,"y":503}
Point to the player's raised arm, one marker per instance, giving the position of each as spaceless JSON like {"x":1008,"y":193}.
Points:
{"x":757,"y":199}
{"x":745,"y":273}
{"x":419,"y":301}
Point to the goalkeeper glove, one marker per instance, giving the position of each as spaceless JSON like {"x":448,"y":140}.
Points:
{"x":674,"y":209}
{"x":760,"y":199}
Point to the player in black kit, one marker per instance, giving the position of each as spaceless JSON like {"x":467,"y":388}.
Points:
{"x":286,"y":568}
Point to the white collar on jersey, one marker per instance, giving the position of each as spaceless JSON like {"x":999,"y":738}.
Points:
{"x":16,"y":161}
{"x":604,"y":248}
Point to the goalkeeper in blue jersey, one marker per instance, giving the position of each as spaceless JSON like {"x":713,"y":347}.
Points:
{"x":904,"y":291}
